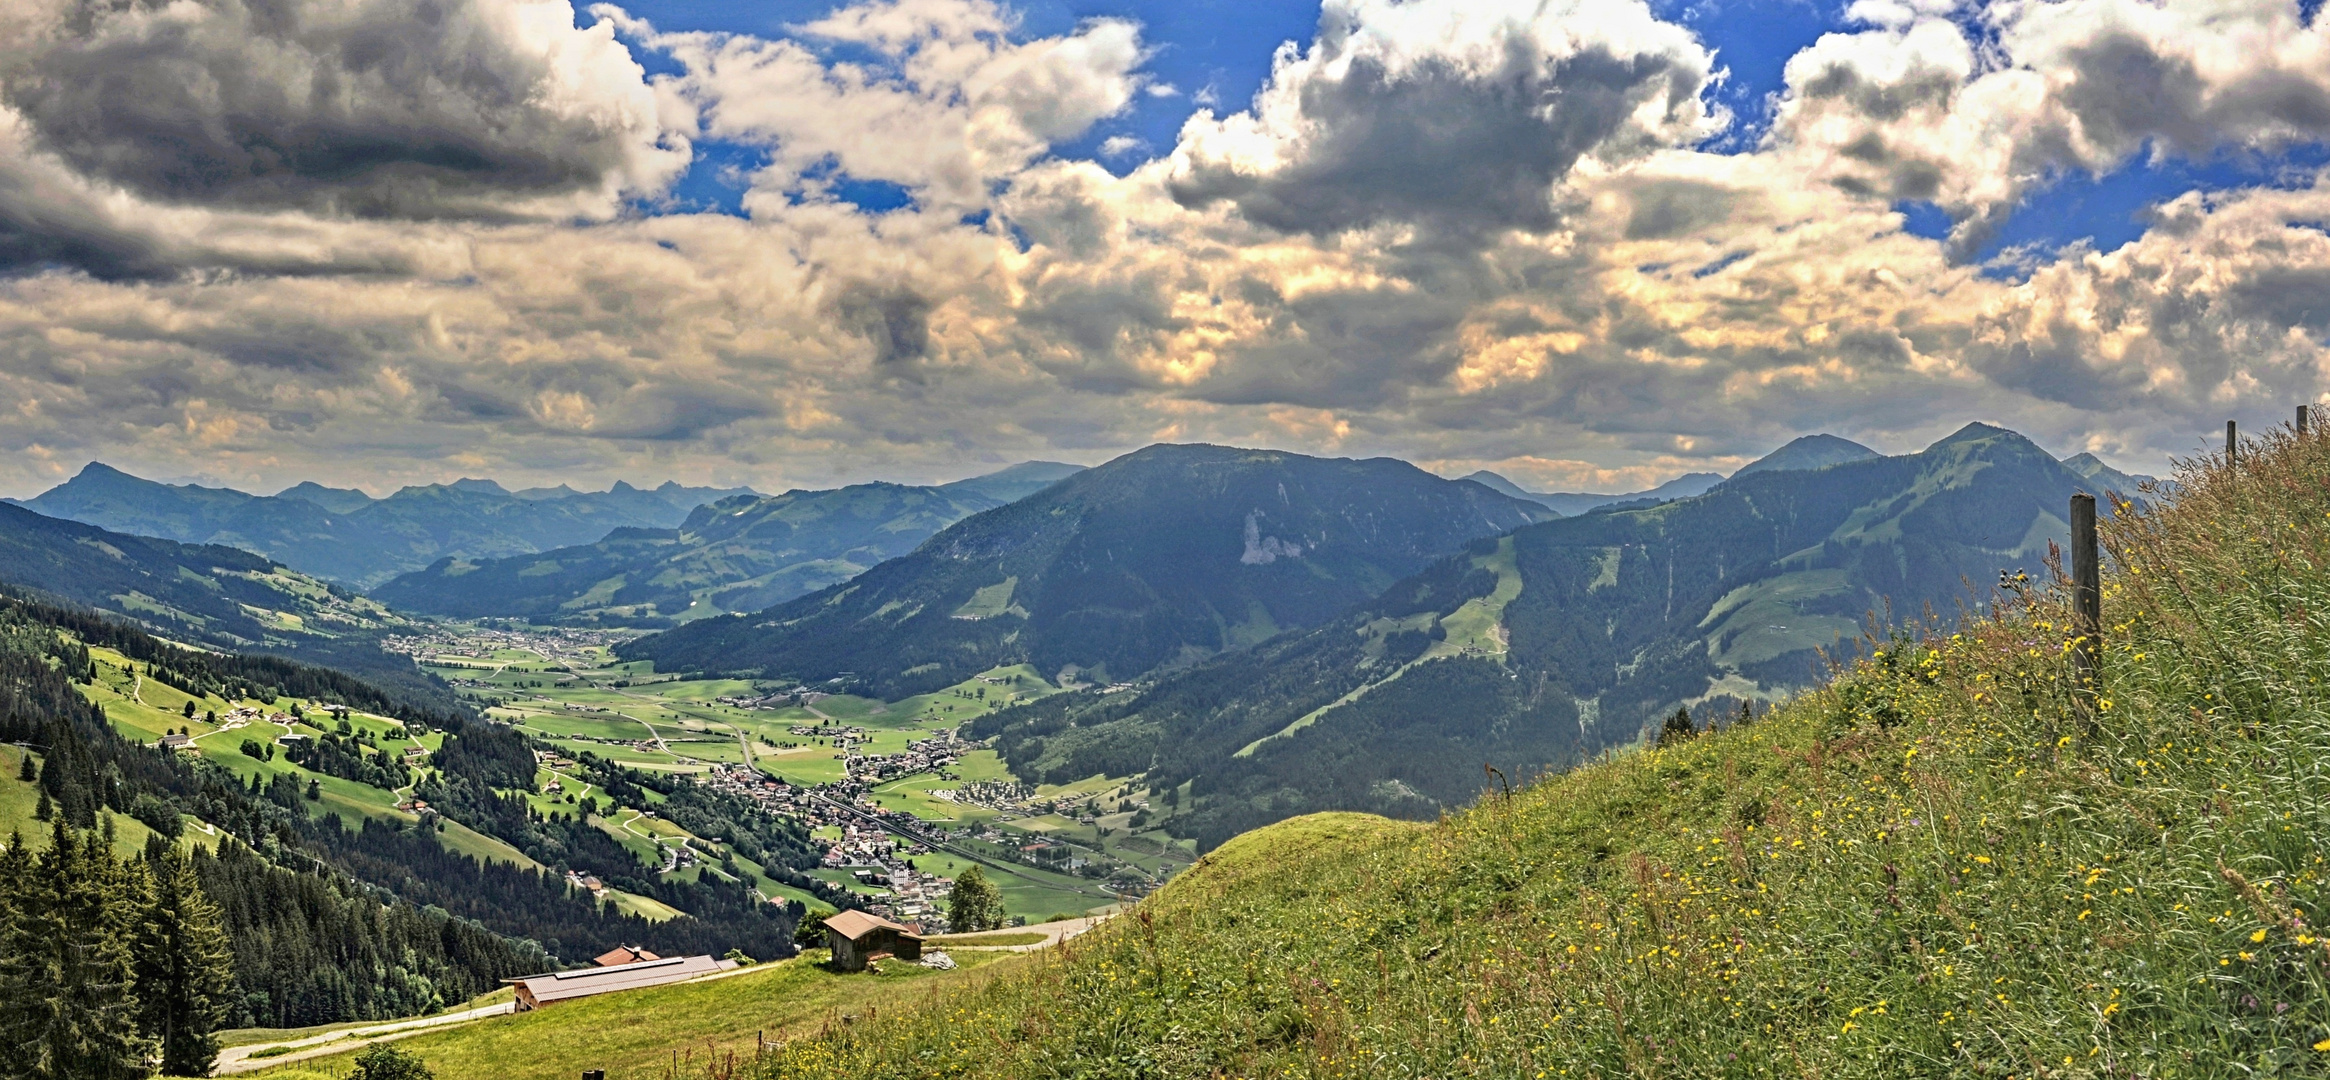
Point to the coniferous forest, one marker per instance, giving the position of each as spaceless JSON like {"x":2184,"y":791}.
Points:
{"x":119,"y":967}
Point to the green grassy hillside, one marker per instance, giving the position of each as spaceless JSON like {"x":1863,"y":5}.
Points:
{"x":1941,"y":863}
{"x":696,"y":1026}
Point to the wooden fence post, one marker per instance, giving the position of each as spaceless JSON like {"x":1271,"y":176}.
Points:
{"x":2232,"y":445}
{"x":2086,"y":602}
{"x":2304,"y":412}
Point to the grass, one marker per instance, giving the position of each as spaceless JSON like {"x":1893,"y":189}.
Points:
{"x":988,"y":940}
{"x":641,"y":1033}
{"x":1949,"y":861}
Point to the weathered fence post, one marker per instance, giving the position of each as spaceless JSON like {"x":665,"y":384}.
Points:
{"x":2232,"y":445}
{"x":2086,"y":602}
{"x":2304,"y":413}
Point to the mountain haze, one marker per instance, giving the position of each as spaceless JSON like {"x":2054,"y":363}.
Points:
{"x":1565,"y":638}
{"x":1573,"y":503}
{"x":743,"y":553}
{"x":1161,"y":557}
{"x":347,"y":537}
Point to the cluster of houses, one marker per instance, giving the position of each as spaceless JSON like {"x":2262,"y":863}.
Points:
{"x":937,"y":754}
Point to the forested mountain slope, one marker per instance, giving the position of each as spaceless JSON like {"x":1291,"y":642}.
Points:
{"x":1940,"y":864}
{"x":208,"y":593}
{"x":1540,"y":649}
{"x":1161,"y":557}
{"x":743,"y":553}
{"x":349,"y":538}
{"x":337,"y":906}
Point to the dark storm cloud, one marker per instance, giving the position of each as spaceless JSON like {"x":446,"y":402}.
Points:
{"x":384,"y":108}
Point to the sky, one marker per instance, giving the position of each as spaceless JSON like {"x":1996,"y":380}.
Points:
{"x":1590,"y":245}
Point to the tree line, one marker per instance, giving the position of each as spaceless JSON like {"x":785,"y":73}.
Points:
{"x":112,"y":968}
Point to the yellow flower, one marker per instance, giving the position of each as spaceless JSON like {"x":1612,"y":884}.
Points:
{"x":2323,"y":1046}
{"x":2257,"y":937}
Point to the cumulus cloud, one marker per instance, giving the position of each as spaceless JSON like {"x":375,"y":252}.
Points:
{"x":1472,"y":234}
{"x":1914,"y":109}
{"x":953,"y":105}
{"x":143,"y":137}
{"x":1457,"y":118}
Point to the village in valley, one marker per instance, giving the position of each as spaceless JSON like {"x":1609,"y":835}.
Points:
{"x":896,"y":794}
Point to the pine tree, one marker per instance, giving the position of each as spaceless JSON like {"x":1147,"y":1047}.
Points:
{"x":185,"y":965}
{"x":26,"y":771}
{"x":1679,"y":728}
{"x":66,"y":974}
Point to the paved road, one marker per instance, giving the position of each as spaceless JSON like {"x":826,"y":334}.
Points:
{"x":238,"y":1059}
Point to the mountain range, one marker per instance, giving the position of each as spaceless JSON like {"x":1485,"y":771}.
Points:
{"x":742,"y":553}
{"x":347,"y":537}
{"x":1538,"y":649}
{"x":1158,"y":558}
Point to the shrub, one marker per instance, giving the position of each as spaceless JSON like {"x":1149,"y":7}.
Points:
{"x":382,"y":1062}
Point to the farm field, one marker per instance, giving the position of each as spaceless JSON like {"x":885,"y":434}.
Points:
{"x":580,"y":700}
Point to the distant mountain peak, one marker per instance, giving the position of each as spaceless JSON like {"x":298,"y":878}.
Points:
{"x":1809,"y":452}
{"x":485,"y":487}
{"x":1500,"y":485}
{"x":1976,"y":432}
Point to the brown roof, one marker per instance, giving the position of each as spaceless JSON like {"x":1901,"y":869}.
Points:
{"x":857,"y":924}
{"x":574,"y":984}
{"x":624,"y":954}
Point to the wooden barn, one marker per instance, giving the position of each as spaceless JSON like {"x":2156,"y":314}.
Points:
{"x":856,"y":937}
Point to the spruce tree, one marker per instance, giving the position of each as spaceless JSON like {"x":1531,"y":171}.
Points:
{"x":1679,"y":728}
{"x":66,"y":974}
{"x":185,"y":965}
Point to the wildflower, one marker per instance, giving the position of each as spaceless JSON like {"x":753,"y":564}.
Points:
{"x":2258,"y":937}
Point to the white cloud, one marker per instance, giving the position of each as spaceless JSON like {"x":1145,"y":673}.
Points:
{"x":954,"y":105}
{"x":1469,"y":233}
{"x":1456,"y":117}
{"x":1914,"y":110}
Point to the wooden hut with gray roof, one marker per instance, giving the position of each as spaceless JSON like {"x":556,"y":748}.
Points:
{"x":535,"y":991}
{"x":856,"y":937}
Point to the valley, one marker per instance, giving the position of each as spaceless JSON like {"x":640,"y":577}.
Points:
{"x":896,"y":798}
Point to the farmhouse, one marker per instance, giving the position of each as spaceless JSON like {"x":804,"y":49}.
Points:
{"x":176,"y":741}
{"x":535,"y":991}
{"x":856,"y":937}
